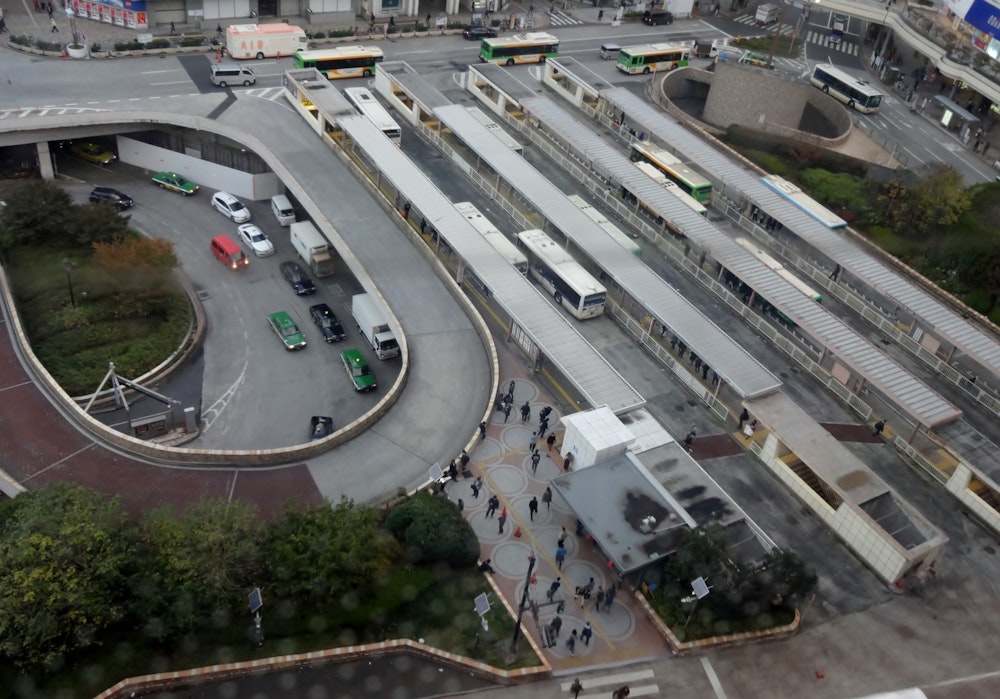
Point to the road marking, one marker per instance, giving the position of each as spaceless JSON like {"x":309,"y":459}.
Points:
{"x":611,"y":679}
{"x":113,"y":101}
{"x":215,"y":410}
{"x":713,"y":679}
{"x":175,"y":82}
{"x":410,"y":53}
{"x":914,"y":156}
{"x":71,"y":104}
{"x":154,"y":72}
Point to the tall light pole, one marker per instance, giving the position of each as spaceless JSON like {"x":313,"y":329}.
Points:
{"x":68,"y":266}
{"x":72,"y":23}
{"x":524,"y":603}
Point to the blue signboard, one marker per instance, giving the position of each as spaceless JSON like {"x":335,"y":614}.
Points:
{"x":984,"y":16}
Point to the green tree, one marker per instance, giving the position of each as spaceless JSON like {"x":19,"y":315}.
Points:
{"x":432,"y":529}
{"x":324,"y":552}
{"x":839,"y":189}
{"x":195,"y":566}
{"x":37,"y":212}
{"x":64,"y":557}
{"x":98,"y":224}
{"x":939,"y":200}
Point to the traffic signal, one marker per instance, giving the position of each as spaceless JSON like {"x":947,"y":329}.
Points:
{"x":561,"y":608}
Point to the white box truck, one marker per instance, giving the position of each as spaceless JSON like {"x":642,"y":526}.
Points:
{"x":262,"y":41}
{"x":313,"y":248}
{"x":767,"y":14}
{"x":373,"y":324}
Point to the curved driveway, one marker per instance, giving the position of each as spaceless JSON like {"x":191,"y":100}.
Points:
{"x":450,"y":379}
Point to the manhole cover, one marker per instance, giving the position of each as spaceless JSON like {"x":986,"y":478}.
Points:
{"x":990,"y":550}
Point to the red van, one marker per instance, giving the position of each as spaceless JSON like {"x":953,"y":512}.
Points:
{"x":228,"y":252}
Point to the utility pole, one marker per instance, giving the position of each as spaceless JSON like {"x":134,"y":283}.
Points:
{"x":524,"y":603}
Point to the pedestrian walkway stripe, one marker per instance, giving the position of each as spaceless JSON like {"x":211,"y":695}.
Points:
{"x":622,"y":678}
{"x":560,"y":18}
{"x":641,"y":691}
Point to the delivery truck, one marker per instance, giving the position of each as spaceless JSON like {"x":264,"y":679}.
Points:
{"x":767,"y":14}
{"x":262,"y":41}
{"x":373,"y":323}
{"x":709,"y":48}
{"x":313,"y":248}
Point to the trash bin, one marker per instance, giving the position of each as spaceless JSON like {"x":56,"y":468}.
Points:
{"x":609,"y":52}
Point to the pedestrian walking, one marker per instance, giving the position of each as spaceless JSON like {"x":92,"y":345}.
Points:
{"x":525,"y":411}
{"x":535,"y":458}
{"x":543,"y":427}
{"x":502,"y":520}
{"x":506,"y":412}
{"x":553,"y":588}
{"x":567,"y":461}
{"x":55,"y":29}
{"x":52,"y":8}
{"x":560,"y":556}
{"x":556,"y":625}
{"x":385,"y":30}
{"x":392,"y":21}
{"x":550,"y":441}
{"x":428,"y":20}
{"x":571,"y":642}
{"x":476,"y":485}
{"x":600,"y":15}
{"x":576,"y":688}
{"x":623,"y":691}
{"x":587,"y":632}
{"x":547,"y":498}
{"x":689,"y":440}
{"x":588,"y":588}
{"x":38,"y":8}
{"x":879,"y":426}
{"x":482,"y":430}
{"x":533,"y":507}
{"x":3,"y":23}
{"x":492,"y":504}
{"x":744,"y":416}
{"x":510,"y":390}
{"x":600,"y":599}
{"x":609,"y":598}
{"x":173,"y":29}
{"x":461,"y":505}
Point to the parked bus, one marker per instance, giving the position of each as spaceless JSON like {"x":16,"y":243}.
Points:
{"x":533,"y":47}
{"x":856,"y":94}
{"x":350,"y":61}
{"x":497,"y":240}
{"x":670,"y":165}
{"x":262,"y":41}
{"x":672,"y":187}
{"x":803,"y":201}
{"x":495,"y":129}
{"x":650,"y":58}
{"x":616,"y":233}
{"x":364,"y":101}
{"x":779,"y":269}
{"x":573,"y":287}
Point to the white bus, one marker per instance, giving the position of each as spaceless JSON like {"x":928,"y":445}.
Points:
{"x":497,"y":240}
{"x":533,"y":47}
{"x":672,"y":187}
{"x":495,"y":129}
{"x":573,"y":287}
{"x":779,"y":269}
{"x":348,"y":61}
{"x":616,"y":233}
{"x":856,"y":94}
{"x":803,"y":201}
{"x":364,"y":101}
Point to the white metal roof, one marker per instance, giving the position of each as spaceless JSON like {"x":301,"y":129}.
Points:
{"x":886,"y":375}
{"x":599,"y":383}
{"x":727,"y":357}
{"x":975,"y":342}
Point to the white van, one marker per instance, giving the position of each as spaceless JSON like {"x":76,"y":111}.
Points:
{"x":282,"y":209}
{"x":232,"y":74}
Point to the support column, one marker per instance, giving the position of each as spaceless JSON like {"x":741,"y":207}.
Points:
{"x":45,"y":168}
{"x":452,"y":7}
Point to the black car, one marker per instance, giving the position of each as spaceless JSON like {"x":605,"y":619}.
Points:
{"x":656,"y":17}
{"x":106,"y":195}
{"x":297,"y":277}
{"x":478,"y":31}
{"x":327,"y":322}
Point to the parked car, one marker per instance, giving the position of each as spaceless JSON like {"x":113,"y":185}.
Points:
{"x":91,"y":152}
{"x":297,"y":277}
{"x":326,"y":320}
{"x":357,"y":368}
{"x":475,"y":32}
{"x":107,"y":195}
{"x":320,"y":426}
{"x":230,"y":207}
{"x":657,"y":17}
{"x":175,"y":183}
{"x":254,"y":238}
{"x":286,"y":330}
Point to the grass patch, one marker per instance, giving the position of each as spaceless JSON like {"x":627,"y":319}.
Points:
{"x":435,"y":605}
{"x":76,"y":342}
{"x":784,"y":46}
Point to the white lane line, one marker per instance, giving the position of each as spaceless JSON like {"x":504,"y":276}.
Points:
{"x":155,"y":72}
{"x":713,"y":679}
{"x":612,"y":679}
{"x":175,"y":82}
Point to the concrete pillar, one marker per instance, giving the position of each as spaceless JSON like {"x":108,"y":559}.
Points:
{"x":45,"y":161}
{"x":452,"y":7}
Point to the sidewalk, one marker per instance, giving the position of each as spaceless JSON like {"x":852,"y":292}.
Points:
{"x":622,"y":633}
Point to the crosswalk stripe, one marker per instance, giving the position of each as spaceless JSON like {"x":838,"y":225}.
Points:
{"x":560,"y":18}
{"x":621,"y":678}
{"x":641,"y":691}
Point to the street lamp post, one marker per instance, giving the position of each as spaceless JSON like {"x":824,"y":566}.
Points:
{"x":68,"y":266}
{"x":524,"y":603}
{"x":71,"y":15}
